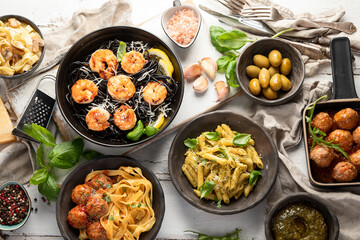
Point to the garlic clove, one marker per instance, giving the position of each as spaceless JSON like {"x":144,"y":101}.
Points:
{"x":222,"y":90}
{"x":200,"y":84}
{"x":192,"y":72}
{"x":209,"y":66}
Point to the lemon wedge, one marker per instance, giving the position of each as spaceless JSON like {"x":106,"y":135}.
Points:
{"x":165,"y":68}
{"x":159,"y":55}
{"x":159,"y":121}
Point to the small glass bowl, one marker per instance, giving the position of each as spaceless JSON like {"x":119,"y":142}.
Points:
{"x":19,"y":225}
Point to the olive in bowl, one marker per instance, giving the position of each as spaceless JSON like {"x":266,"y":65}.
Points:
{"x":301,"y":216}
{"x":270,"y":71}
{"x":15,"y":205}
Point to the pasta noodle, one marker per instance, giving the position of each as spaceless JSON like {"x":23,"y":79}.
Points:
{"x":20,"y":47}
{"x":130,"y":209}
{"x":224,"y":163}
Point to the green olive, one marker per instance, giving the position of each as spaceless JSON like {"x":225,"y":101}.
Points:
{"x":261,"y":61}
{"x":252,"y":71}
{"x":269,"y":93}
{"x":264,"y":78}
{"x":275,"y":58}
{"x":273,"y":70}
{"x":285,"y":83}
{"x":254,"y":86}
{"x":285,"y":66}
{"x":275,"y":82}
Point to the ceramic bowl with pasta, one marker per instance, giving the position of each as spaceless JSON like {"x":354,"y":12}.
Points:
{"x":21,"y":46}
{"x":223,"y":163}
{"x":114,"y":197}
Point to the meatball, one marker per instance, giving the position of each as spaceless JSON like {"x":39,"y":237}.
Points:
{"x":322,"y":155}
{"x":342,"y":137}
{"x":356,"y":135}
{"x":344,"y":172}
{"x":346,"y":118}
{"x":96,"y":206}
{"x":77,"y":217}
{"x":355,"y":159}
{"x":95,"y":231}
{"x":81,"y":193}
{"x":322,"y":121}
{"x":100,"y":181}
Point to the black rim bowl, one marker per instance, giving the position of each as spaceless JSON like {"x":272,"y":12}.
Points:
{"x":316,"y":202}
{"x":64,"y":203}
{"x":264,"y":46}
{"x":90,"y":43}
{"x":19,"y":225}
{"x":36,"y":65}
{"x":208,"y":122}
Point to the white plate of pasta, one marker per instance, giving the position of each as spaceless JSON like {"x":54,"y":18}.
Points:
{"x":223,"y":162}
{"x":114,"y":197}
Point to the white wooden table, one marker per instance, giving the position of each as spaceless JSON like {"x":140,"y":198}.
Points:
{"x":179,"y":215}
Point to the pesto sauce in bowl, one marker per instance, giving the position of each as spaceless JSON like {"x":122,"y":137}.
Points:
{"x":297,"y":221}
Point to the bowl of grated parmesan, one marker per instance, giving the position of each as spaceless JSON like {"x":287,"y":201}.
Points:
{"x":181,"y":24}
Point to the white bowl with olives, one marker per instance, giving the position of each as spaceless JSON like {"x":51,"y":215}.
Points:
{"x":270,"y":71}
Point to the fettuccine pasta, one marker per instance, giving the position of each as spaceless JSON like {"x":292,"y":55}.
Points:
{"x":20,"y":47}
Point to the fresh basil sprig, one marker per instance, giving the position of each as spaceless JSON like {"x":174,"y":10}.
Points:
{"x":206,"y":188}
{"x":212,"y":135}
{"x":316,"y":134}
{"x":254,"y":176}
{"x":241,"y":139}
{"x":191,"y":143}
{"x":230,"y":236}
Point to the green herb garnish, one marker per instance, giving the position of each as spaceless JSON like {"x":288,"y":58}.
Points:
{"x":316,"y":134}
{"x":191,"y":143}
{"x":212,"y":136}
{"x":206,"y":188}
{"x":121,"y":51}
{"x":107,"y":198}
{"x":241,"y":139}
{"x":254,"y":176}
{"x":108,"y":186}
{"x":222,"y":153}
{"x":111,"y":217}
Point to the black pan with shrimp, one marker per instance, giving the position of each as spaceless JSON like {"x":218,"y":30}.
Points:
{"x":150,"y":92}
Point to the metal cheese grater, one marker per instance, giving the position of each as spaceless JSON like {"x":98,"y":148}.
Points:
{"x":39,"y":108}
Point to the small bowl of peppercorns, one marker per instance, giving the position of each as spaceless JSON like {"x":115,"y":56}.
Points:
{"x":15,"y":205}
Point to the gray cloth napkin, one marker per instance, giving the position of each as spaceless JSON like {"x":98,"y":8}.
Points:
{"x":15,"y":161}
{"x":287,"y":132}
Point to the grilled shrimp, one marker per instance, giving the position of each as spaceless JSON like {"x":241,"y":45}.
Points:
{"x":154,"y":93}
{"x":97,"y":119}
{"x":132,"y":62}
{"x":104,"y":62}
{"x":121,"y":88}
{"x":84,"y":91}
{"x":125,"y":118}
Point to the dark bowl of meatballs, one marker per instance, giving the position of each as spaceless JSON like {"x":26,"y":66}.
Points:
{"x":333,"y":157}
{"x":93,"y":202}
{"x":119,"y":86}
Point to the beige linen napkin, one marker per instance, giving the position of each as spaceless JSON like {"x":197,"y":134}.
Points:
{"x":287,"y":132}
{"x":111,"y":13}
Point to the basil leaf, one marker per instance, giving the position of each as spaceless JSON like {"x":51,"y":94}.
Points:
{"x":215,"y":32}
{"x":206,"y":188}
{"x":254,"y":175}
{"x":49,"y":188}
{"x":39,"y":176}
{"x":224,"y":61}
{"x":191,"y":143}
{"x":91,"y":154}
{"x":40,"y":155}
{"x":212,"y":136}
{"x":241,"y":139}
{"x":40,"y":133}
{"x":230,"y":74}
{"x":234,"y":39}
{"x":66,"y":155}
{"x":150,"y":130}
{"x":121,"y":51}
{"x":137,"y":132}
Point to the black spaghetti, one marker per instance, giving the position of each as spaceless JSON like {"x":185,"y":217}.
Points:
{"x":147,"y":113}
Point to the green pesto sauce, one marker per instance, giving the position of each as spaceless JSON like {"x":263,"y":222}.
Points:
{"x":299,"y":221}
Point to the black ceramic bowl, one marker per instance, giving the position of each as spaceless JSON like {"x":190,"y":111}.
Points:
{"x":314,"y":201}
{"x":264,"y":47}
{"x":89,"y":44}
{"x":36,"y":65}
{"x":208,"y":122}
{"x":64,"y":203}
